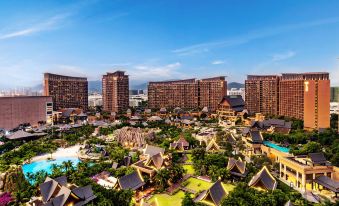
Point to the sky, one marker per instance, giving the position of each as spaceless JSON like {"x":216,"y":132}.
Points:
{"x":166,"y":39}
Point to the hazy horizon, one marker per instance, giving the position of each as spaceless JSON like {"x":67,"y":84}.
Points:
{"x":161,"y":40}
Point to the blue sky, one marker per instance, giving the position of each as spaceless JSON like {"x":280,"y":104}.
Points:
{"x":174,"y":39}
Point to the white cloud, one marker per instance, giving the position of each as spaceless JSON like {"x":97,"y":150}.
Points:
{"x":49,"y":24}
{"x":283,"y":56}
{"x":151,"y":72}
{"x":217,"y":62}
{"x":68,"y":70}
{"x":250,"y":36}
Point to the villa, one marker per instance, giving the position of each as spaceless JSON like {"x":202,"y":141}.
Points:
{"x":213,"y":195}
{"x":263,"y":180}
{"x":181,"y":144}
{"x":57,"y":192}
{"x":272,"y":126}
{"x":231,"y":108}
{"x":152,"y":164}
{"x":253,"y":141}
{"x":237,"y":167}
{"x":132,"y":181}
{"x":212,"y":146}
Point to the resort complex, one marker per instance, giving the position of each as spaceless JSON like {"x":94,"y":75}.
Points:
{"x":169,"y":157}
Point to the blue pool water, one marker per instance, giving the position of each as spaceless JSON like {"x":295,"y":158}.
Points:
{"x":47,"y":164}
{"x":277,"y":147}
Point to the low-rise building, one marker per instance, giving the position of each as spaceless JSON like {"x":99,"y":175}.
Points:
{"x":32,"y":110}
{"x":302,"y":171}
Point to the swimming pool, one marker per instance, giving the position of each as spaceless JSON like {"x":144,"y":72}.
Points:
{"x":46,"y":165}
{"x":277,"y":147}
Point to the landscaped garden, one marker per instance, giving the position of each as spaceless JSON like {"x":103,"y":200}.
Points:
{"x":189,"y":169}
{"x":168,"y":200}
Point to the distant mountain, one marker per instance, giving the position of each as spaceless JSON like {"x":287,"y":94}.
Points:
{"x":235,"y":85}
{"x":142,"y":86}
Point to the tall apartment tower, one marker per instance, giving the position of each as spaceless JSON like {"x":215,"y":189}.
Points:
{"x":262,"y":94}
{"x":171,"y":94}
{"x":306,"y":96}
{"x":187,"y":94}
{"x":115,"y":92}
{"x":211,"y":92}
{"x":66,"y":91}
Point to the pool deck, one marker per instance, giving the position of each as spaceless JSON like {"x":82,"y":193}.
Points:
{"x":61,"y":152}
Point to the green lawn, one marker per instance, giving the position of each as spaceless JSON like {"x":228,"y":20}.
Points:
{"x":189,"y":156}
{"x":189,"y":169}
{"x":168,"y":200}
{"x":198,"y":185}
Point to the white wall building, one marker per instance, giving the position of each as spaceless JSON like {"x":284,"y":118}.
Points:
{"x":136,"y":100}
{"x":235,"y":91}
{"x":94,"y":100}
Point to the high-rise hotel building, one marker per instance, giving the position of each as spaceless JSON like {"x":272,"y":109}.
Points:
{"x":304,"y":96}
{"x":187,"y":94}
{"x":66,"y":91}
{"x":115,"y":92}
{"x":261,"y":94}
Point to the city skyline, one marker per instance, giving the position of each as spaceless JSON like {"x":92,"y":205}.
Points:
{"x":163,"y":41}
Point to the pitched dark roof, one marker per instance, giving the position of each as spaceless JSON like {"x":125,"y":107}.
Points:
{"x":265,"y":178}
{"x":183,"y":141}
{"x":84,"y":192}
{"x":20,"y":134}
{"x":132,"y":181}
{"x":52,"y":196}
{"x":238,"y":164}
{"x":328,"y":183}
{"x":153,"y":150}
{"x":256,"y":137}
{"x":245,"y":131}
{"x":216,"y":192}
{"x":157,"y":160}
{"x":62,"y":180}
{"x":47,"y":189}
{"x":317,"y":158}
{"x":235,"y":101}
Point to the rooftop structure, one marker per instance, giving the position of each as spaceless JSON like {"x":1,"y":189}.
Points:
{"x":237,"y":167}
{"x":230,"y":108}
{"x":56,"y":192}
{"x":263,"y":180}
{"x":214,"y":194}
{"x":132,"y":181}
{"x":181,"y":144}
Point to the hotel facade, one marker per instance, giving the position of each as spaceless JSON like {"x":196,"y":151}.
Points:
{"x":187,"y":94}
{"x":304,"y":96}
{"x":21,"y":110}
{"x":115,"y":92}
{"x":66,"y":91}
